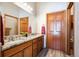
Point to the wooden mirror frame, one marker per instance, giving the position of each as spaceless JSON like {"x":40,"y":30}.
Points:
{"x":6,"y":15}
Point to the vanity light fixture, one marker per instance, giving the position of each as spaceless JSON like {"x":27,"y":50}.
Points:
{"x":28,"y":6}
{"x":24,"y":6}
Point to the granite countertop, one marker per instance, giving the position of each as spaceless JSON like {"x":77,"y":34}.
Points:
{"x":18,"y":41}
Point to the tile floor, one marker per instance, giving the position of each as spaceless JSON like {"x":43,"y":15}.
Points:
{"x":56,"y":53}
{"x":52,"y":53}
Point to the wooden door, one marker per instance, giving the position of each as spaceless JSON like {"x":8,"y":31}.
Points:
{"x":24,"y":24}
{"x":55,"y":30}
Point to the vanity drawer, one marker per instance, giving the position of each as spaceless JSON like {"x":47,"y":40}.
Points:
{"x":16,"y":49}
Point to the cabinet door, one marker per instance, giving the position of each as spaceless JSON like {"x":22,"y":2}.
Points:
{"x":19,"y":54}
{"x":34,"y":52}
{"x":34,"y":47}
{"x":35,"y":44}
{"x":40,"y":44}
{"x":28,"y":52}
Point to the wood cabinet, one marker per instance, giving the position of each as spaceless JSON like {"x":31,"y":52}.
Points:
{"x":35,"y":44}
{"x":35,"y":52}
{"x":40,"y":44}
{"x":16,"y":49}
{"x":24,"y":24}
{"x":27,"y":49}
{"x":19,"y":54}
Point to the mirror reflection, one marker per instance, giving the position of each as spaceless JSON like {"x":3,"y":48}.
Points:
{"x":11,"y":25}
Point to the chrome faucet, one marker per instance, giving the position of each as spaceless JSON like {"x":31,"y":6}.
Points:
{"x":11,"y":38}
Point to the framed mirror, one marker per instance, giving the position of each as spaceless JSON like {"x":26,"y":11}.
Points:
{"x":10,"y":25}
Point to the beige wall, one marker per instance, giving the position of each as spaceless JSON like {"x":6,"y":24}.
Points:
{"x":44,"y":8}
{"x":76,"y":30}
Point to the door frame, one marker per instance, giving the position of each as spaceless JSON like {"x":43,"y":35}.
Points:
{"x":68,"y":18}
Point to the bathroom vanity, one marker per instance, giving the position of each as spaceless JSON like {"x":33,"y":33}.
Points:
{"x":27,"y":47}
